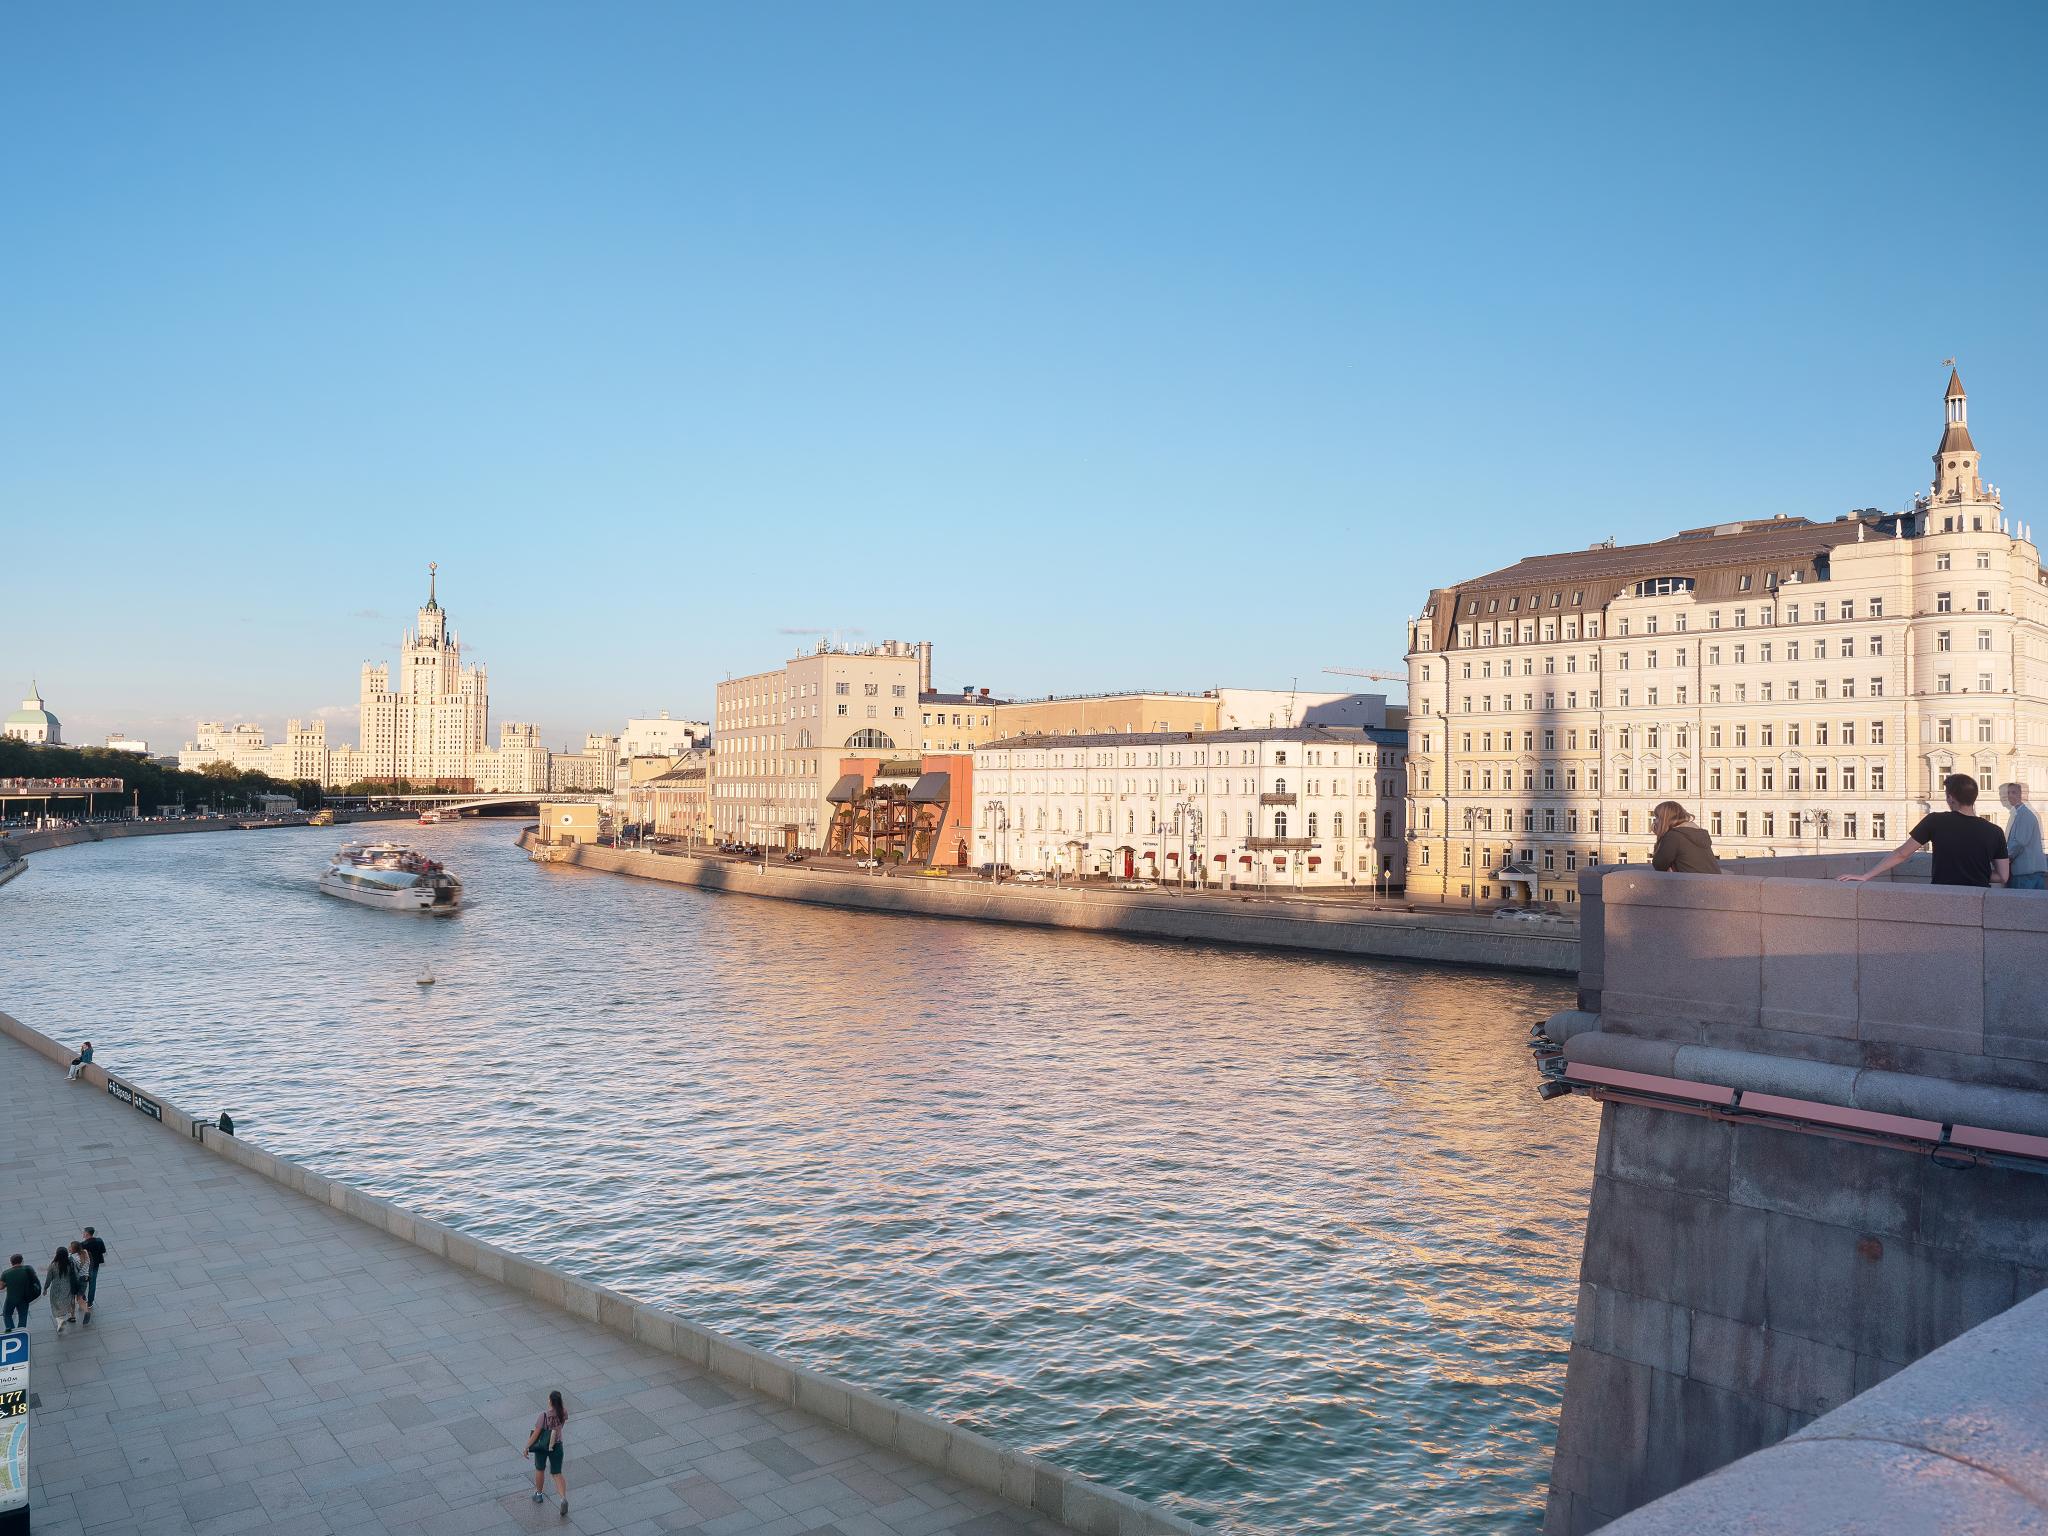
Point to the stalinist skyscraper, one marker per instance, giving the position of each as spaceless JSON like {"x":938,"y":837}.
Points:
{"x":434,"y":723}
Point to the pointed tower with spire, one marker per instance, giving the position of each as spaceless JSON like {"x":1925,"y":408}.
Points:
{"x":1955,"y":461}
{"x":433,"y":628}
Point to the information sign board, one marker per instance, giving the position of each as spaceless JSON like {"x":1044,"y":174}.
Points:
{"x":13,"y":1426}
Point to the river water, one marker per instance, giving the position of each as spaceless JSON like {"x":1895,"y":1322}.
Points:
{"x":1285,"y":1243}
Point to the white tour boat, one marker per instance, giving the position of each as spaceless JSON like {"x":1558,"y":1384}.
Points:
{"x":393,"y":876}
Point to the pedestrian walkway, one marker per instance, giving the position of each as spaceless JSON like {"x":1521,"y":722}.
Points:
{"x":260,"y":1362}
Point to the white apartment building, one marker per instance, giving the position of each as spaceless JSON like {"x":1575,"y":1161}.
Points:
{"x":781,"y":735}
{"x":1798,"y":686}
{"x":595,"y":767}
{"x":1307,"y":805}
{"x":661,"y":736}
{"x":244,"y":747}
{"x":432,"y":725}
{"x":518,"y":765}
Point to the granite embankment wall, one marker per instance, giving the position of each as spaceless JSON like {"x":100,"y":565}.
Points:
{"x":100,"y":832}
{"x":1328,"y":927}
{"x":105,"y":831}
{"x":1957,"y":1443}
{"x":1024,"y":1479}
{"x":1823,"y":1154}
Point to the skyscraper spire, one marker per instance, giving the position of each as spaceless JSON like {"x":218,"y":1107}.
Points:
{"x":432,"y":567}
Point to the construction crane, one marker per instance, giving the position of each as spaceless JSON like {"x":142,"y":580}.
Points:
{"x":1376,"y":674}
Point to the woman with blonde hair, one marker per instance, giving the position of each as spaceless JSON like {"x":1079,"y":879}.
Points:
{"x":1683,"y":846}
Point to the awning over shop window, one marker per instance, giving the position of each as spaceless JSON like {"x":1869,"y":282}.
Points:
{"x":932,"y":789}
{"x":846,"y":790}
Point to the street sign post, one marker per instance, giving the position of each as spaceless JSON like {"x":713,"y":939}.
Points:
{"x":14,"y":1433}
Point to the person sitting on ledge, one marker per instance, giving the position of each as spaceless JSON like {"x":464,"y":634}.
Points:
{"x":1683,"y":846}
{"x":1968,"y":850}
{"x":79,"y":1062}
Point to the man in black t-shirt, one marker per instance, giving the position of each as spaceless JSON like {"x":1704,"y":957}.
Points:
{"x":1968,"y":850}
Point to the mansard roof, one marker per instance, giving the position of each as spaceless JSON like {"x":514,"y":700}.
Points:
{"x":1713,"y":558}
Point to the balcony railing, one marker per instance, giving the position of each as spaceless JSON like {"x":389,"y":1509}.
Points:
{"x":1277,"y":797}
{"x":1279,"y":844}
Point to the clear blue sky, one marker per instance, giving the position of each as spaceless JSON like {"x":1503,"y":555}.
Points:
{"x":1104,"y":346}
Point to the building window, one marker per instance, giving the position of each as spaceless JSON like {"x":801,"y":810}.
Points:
{"x":1943,"y":603}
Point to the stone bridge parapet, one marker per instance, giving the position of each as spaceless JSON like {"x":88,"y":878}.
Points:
{"x":1824,"y":1135}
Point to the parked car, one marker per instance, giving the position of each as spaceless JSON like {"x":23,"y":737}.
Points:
{"x":936,"y":874}
{"x":1029,"y":877}
{"x":1137,"y":885}
{"x":867,"y":863}
{"x":997,"y":871}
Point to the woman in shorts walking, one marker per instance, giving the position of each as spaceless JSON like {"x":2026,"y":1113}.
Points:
{"x":544,"y":1445}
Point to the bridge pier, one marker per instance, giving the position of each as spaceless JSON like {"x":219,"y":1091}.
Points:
{"x":1823,"y":1154}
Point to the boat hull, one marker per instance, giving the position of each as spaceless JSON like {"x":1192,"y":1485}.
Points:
{"x":393,"y":898}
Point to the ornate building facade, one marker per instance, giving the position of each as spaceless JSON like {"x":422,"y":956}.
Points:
{"x":1301,"y":805}
{"x":33,"y":723}
{"x":431,"y":727}
{"x":1798,"y":686}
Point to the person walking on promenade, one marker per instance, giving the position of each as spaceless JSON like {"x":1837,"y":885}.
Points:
{"x":96,"y":1251}
{"x":60,"y":1284}
{"x":79,"y":1062}
{"x":22,"y":1287}
{"x":1683,"y":846}
{"x":544,"y":1445}
{"x":81,"y":1279}
{"x":1968,"y":850}
{"x":2023,"y":841}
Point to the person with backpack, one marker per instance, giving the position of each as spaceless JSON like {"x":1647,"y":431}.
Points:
{"x":22,"y":1287}
{"x":544,"y":1445}
{"x":79,"y":1062}
{"x":60,"y":1284}
{"x":96,"y":1251}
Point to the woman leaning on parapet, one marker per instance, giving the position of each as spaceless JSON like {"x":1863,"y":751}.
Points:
{"x":1683,"y":846}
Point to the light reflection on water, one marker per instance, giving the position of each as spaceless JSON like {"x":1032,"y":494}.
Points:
{"x":1282,"y":1242}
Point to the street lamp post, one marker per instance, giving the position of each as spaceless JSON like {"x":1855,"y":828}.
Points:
{"x":1472,"y":842}
{"x":998,"y":830}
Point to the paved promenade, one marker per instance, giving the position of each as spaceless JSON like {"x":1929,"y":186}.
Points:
{"x":260,"y":1362}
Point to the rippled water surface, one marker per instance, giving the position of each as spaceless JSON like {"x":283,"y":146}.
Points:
{"x":1285,"y":1243}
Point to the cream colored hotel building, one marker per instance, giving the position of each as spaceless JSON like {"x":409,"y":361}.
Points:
{"x":1799,"y":686}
